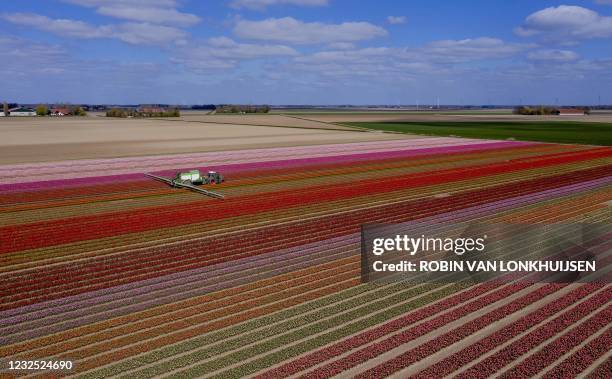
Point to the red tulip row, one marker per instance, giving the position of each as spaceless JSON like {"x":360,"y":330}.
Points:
{"x":583,"y":358}
{"x":241,"y":186}
{"x":226,"y":223}
{"x":435,"y":344}
{"x":89,"y":288}
{"x":602,"y":371}
{"x":535,"y":363}
{"x":85,"y":250}
{"x":116,"y":270}
{"x":319,"y":356}
{"x":374,"y":350}
{"x":339,"y":348}
{"x":129,"y":266}
{"x":476,"y":350}
{"x":170,"y":299}
{"x":72,"y":193}
{"x":208,"y":310}
{"x":372,"y":162}
{"x":196,"y":252}
{"x":90,"y":227}
{"x":212,"y":245}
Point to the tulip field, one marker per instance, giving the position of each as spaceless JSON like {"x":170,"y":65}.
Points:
{"x":127,"y":277}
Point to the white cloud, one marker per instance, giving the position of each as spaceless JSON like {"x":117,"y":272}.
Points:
{"x":566,"y":22}
{"x":49,"y":72}
{"x":145,"y":33}
{"x":153,"y":15}
{"x":553,"y":56}
{"x":228,"y":48}
{"x":154,"y":11}
{"x":473,"y":49}
{"x":347,"y":56}
{"x":445,"y":57}
{"x":64,"y":27}
{"x":381,"y":63}
{"x":341,"y":46}
{"x":290,"y":30}
{"x":393,"y":20}
{"x":262,"y":4}
{"x":437,"y":52}
{"x":134,"y":33}
{"x":21,"y":57}
{"x":223,"y":52}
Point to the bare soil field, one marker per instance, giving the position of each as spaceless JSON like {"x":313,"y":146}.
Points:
{"x":260,"y":119}
{"x":49,"y":139}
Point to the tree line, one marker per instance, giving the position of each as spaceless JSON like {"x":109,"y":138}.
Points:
{"x":543,"y":110}
{"x":232,"y":108}
{"x":125,"y":113}
{"x":43,"y":110}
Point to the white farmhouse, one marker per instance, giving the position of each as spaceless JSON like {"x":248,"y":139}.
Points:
{"x":22,"y":112}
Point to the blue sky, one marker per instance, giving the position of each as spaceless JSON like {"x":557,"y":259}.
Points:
{"x":307,"y":51}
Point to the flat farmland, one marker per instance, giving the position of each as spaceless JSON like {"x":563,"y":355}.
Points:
{"x":447,"y":116}
{"x":51,"y":139}
{"x":592,"y":133}
{"x":287,"y":121}
{"x":129,"y":278}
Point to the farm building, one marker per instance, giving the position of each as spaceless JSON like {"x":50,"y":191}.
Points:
{"x":571,"y":112}
{"x":22,"y":112}
{"x":60,"y":111}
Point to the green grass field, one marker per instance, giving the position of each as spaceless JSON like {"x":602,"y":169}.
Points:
{"x":590,"y":133}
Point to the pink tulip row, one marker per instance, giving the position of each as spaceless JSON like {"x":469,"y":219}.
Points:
{"x":576,"y":363}
{"x":100,"y":175}
{"x":490,"y":365}
{"x":60,"y":318}
{"x":154,"y":163}
{"x":365,"y":337}
{"x":395,"y":340}
{"x":456,"y":216}
{"x":537,"y":362}
{"x":238,"y":155}
{"x":82,"y":301}
{"x":438,"y":343}
{"x":603,"y":370}
{"x":189,"y":278}
{"x":108,"y":295}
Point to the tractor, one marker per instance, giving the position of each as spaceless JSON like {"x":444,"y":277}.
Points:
{"x":191,"y":179}
{"x":194,"y":177}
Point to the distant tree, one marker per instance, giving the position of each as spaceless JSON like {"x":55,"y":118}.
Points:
{"x":520,"y":110}
{"x":539,"y":111}
{"x":42,"y":110}
{"x":234,"y":108}
{"x":78,"y":111}
{"x":116,"y":113}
